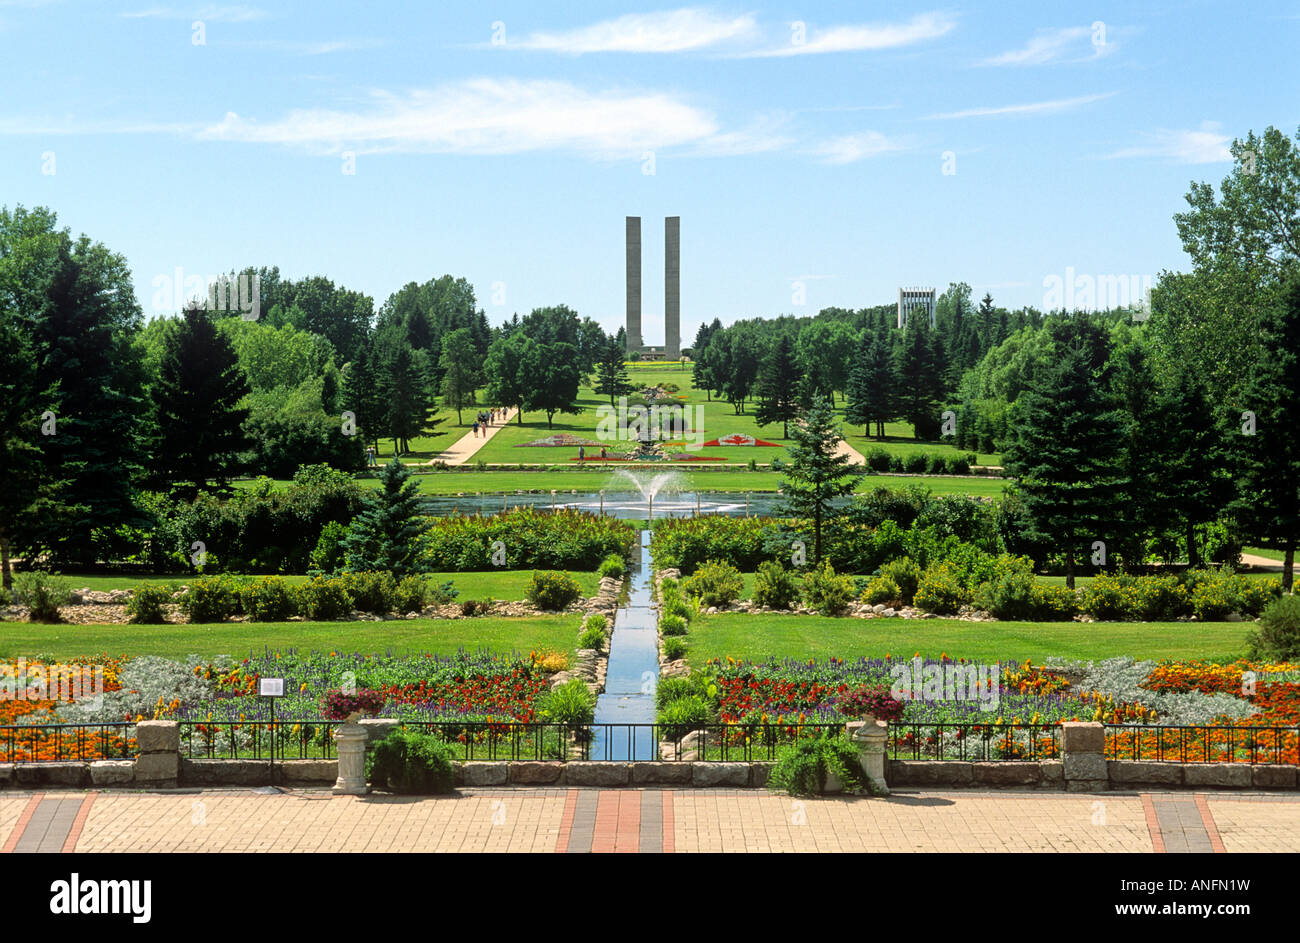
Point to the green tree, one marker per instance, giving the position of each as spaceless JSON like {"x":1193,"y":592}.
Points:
{"x":361,"y":395}
{"x":461,"y":376}
{"x":817,"y":472}
{"x":507,"y":381}
{"x":1268,"y":466}
{"x":385,"y":534}
{"x":404,"y":387}
{"x":1195,"y":482}
{"x":197,"y":405}
{"x":551,"y":375}
{"x":916,"y":400}
{"x":871,"y":384}
{"x":1065,"y":453}
{"x":778,"y":386}
{"x":611,"y":372}
{"x":83,"y":342}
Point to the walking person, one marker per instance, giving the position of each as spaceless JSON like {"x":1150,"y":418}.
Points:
{"x":476,"y":428}
{"x":582,"y":454}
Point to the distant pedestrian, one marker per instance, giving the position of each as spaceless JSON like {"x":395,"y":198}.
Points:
{"x":582,"y":454}
{"x":602,"y":453}
{"x":476,"y":429}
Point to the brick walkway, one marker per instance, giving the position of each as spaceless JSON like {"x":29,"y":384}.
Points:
{"x":647,"y":820}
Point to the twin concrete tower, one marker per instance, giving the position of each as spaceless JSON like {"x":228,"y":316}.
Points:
{"x":672,"y":287}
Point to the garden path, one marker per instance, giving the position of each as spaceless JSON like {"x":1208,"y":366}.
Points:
{"x":463,"y":449}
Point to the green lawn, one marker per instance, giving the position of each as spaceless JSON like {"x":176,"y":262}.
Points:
{"x":238,"y":639}
{"x":759,"y":636}
{"x":497,"y":584}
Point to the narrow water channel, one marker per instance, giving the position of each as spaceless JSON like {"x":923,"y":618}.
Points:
{"x":632,"y":673}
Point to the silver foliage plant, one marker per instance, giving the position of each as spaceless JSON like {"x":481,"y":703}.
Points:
{"x":1121,"y":678}
{"x":144,"y":680}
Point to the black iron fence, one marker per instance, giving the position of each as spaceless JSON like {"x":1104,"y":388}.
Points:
{"x":51,"y":743}
{"x":314,"y":739}
{"x":505,"y":740}
{"x":912,"y":741}
{"x":1203,"y":744}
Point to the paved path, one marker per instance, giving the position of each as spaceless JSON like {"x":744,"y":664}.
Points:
{"x":463,"y":449}
{"x":648,"y":820}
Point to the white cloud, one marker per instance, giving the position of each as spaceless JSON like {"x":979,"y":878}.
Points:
{"x":1033,"y":108}
{"x":921,"y":27}
{"x":849,"y":148}
{"x":1204,"y":146}
{"x":1052,"y":45}
{"x":488,"y":116}
{"x":668,"y":31}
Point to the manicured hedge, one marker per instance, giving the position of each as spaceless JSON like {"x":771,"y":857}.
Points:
{"x":561,"y":540}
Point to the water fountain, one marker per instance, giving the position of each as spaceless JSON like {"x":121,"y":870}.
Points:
{"x":668,"y":482}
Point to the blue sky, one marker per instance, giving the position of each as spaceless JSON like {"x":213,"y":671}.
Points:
{"x":799,"y":142}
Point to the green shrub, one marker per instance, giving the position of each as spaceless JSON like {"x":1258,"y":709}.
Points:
{"x":687,"y":542}
{"x":410,"y":594}
{"x":1255,"y":596}
{"x":596,"y":620}
{"x":328,"y":554}
{"x":1011,"y":592}
{"x":553,"y":590}
{"x":775,"y":586}
{"x":592,"y":638}
{"x":533,"y":539}
{"x":827,"y":592}
{"x":409,"y":762}
{"x":441,"y":595}
{"x":146,"y":605}
{"x":1278,"y":635}
{"x":906,"y":574}
{"x":916,"y":463}
{"x":1055,"y":603}
{"x":1160,"y":598}
{"x":570,"y":703}
{"x":1215,"y":594}
{"x":681,"y":715}
{"x":881,"y":589}
{"x":801,"y":769}
{"x":716,"y":583}
{"x":877,"y":459}
{"x":691,"y":685}
{"x":669,"y":586}
{"x":674,"y":648}
{"x":324,"y":598}
{"x":42,"y":594}
{"x":1110,"y":598}
{"x":269,"y":599}
{"x":371,"y":591}
{"x":211,"y":599}
{"x":613,"y":565}
{"x":672,"y":625}
{"x":678,"y":607}
{"x":937,"y":464}
{"x":941,"y":591}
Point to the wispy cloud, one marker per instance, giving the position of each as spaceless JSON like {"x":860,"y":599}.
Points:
{"x":209,"y":14}
{"x":312,"y":47}
{"x":849,"y":148}
{"x":1033,"y":108}
{"x":1204,"y":146}
{"x":763,"y":136}
{"x":487,"y":116}
{"x":922,"y":27}
{"x":668,"y":31}
{"x":1081,"y":42}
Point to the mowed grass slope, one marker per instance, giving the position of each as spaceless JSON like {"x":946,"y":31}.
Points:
{"x":240,"y":639}
{"x":758,"y":636}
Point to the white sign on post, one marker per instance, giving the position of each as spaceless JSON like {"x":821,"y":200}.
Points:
{"x":270,"y":687}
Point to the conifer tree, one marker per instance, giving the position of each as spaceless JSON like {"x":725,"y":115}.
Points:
{"x":611,"y":372}
{"x":1065,"y":452}
{"x":778,"y":386}
{"x":816,"y":473}
{"x":385,"y":535}
{"x":871,"y":383}
{"x":196,"y":405}
{"x":1269,"y":453}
